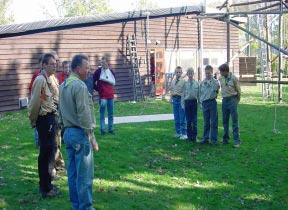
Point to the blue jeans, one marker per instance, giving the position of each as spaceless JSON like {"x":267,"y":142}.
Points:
{"x":210,"y":115}
{"x":179,"y":116}
{"x":80,"y":168}
{"x":110,"y":108}
{"x":229,"y":107}
{"x":191,"y":117}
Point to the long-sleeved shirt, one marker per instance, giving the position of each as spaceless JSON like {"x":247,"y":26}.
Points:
{"x":230,"y":86}
{"x":75,"y":105}
{"x":44,"y":96}
{"x":190,"y":90}
{"x":209,"y":89}
{"x":176,"y":88}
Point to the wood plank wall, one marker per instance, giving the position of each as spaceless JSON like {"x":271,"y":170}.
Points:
{"x":19,"y":55}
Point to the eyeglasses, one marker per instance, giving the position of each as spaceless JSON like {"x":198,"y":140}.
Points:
{"x":52,"y":64}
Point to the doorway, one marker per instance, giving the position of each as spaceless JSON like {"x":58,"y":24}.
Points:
{"x":157,"y":68}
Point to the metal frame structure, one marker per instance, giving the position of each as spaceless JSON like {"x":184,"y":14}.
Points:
{"x":276,"y":7}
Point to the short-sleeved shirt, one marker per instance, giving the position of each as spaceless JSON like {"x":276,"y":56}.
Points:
{"x":229,"y":86}
{"x":176,"y":88}
{"x":209,"y":89}
{"x":190,"y":90}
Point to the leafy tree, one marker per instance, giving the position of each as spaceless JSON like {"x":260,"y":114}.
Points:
{"x":71,"y":8}
{"x":4,"y":19}
{"x":146,"y":5}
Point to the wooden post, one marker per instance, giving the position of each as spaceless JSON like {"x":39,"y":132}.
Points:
{"x":200,"y":49}
{"x":147,"y":53}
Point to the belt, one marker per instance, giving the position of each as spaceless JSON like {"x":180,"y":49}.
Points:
{"x":176,"y":96}
{"x":47,"y":114}
{"x":210,"y":100}
{"x":229,"y":97}
{"x":73,"y":127}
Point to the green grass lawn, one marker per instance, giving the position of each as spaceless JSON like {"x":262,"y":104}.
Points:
{"x":144,"y":167}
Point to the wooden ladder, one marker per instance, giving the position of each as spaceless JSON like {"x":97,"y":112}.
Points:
{"x":131,"y":52}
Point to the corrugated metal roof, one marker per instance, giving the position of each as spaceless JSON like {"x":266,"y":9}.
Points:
{"x":252,"y":5}
{"x":75,"y":22}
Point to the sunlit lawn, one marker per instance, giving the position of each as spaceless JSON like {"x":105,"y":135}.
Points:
{"x":144,"y":167}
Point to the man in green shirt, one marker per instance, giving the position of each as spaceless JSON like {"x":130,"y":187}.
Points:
{"x":78,"y":120}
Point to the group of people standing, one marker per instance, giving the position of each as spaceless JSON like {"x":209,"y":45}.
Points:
{"x":67,"y":111}
{"x":61,"y":106}
{"x":187,"y":95}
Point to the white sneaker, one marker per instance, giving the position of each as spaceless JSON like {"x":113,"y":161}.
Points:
{"x":183,"y":137}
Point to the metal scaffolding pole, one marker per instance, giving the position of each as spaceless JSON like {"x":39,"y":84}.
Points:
{"x":259,"y":38}
{"x":264,"y":82}
{"x":279,"y":8}
{"x":250,"y":3}
{"x":271,"y":12}
{"x":266,"y":7}
{"x":249,"y":46}
{"x":280,"y":35}
{"x":228,"y":33}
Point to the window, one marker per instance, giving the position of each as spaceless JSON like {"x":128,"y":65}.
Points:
{"x":170,"y":61}
{"x":187,"y":59}
{"x":214,"y":61}
{"x":183,"y":57}
{"x":216,"y":57}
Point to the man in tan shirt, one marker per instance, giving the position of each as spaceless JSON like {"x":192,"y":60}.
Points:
{"x":231,"y":93}
{"x":42,"y":110}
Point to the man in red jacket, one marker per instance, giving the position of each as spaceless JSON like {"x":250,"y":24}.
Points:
{"x":104,"y":82}
{"x":64,"y":72}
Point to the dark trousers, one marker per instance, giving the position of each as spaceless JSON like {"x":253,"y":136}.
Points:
{"x":191,"y":118}
{"x":210,"y":116}
{"x":229,"y":107}
{"x":46,"y":127}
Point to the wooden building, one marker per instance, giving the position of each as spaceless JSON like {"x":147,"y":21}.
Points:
{"x":165,"y":38}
